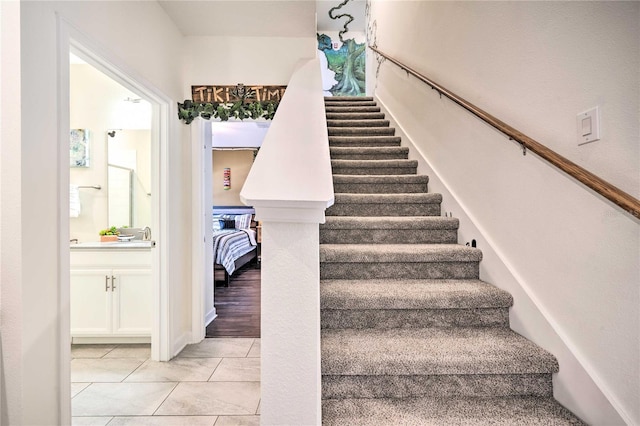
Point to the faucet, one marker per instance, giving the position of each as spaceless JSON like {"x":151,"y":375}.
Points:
{"x":146,"y":234}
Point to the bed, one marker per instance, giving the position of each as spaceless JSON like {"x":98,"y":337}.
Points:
{"x":234,"y":241}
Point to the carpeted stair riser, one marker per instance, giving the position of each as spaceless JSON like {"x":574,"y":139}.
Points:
{"x":380,"y":184}
{"x":343,"y":109}
{"x":413,"y":318}
{"x":395,"y":209}
{"x":385,"y":205}
{"x":355,"y":116}
{"x":393,"y":230}
{"x":400,"y":261}
{"x":361,"y":131}
{"x":431,"y":270}
{"x":358,"y":123}
{"x":437,"y":385}
{"x":367,"y":153}
{"x":329,"y":104}
{"x":426,"y":351}
{"x":374,"y":167}
{"x":461,"y":411}
{"x":366,"y":141}
{"x":348,"y":98}
{"x":383,"y":236}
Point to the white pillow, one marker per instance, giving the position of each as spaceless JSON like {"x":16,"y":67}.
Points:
{"x":243,"y":221}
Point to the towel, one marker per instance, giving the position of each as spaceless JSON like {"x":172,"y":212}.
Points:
{"x":74,"y":201}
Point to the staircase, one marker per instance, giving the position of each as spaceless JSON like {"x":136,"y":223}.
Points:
{"x":410,"y":335}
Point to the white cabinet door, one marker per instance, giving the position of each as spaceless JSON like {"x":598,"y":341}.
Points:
{"x":90,"y":302}
{"x":132,"y":307}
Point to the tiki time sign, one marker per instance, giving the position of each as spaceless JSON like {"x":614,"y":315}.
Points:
{"x":227,"y":94}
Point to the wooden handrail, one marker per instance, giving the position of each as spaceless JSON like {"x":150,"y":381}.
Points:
{"x":602,"y":187}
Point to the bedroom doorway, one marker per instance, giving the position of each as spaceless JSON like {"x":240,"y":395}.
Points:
{"x":230,"y":149}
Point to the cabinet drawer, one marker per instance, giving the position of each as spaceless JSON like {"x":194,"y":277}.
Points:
{"x":110,"y":258}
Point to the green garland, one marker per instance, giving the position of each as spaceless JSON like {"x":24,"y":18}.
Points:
{"x":189,"y":110}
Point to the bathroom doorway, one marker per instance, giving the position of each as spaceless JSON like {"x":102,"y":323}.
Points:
{"x":137,"y":116}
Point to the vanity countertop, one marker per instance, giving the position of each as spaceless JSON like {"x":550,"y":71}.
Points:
{"x":116,"y":245}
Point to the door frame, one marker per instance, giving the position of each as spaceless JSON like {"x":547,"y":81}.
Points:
{"x":201,"y":231}
{"x":72,"y":40}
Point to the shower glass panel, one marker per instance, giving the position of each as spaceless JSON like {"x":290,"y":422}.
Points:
{"x":129,"y":178}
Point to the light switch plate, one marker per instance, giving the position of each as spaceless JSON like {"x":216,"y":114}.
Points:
{"x":588,"y":126}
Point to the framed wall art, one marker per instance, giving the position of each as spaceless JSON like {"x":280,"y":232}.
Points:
{"x":79,"y":148}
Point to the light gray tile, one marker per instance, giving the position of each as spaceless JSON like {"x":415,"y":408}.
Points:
{"x":218,"y":348}
{"x":176,"y":370}
{"x":212,"y":398}
{"x":76,"y":388}
{"x":255,"y":349}
{"x":131,"y":351}
{"x":164,"y":421}
{"x":90,"y":351}
{"x":90,"y":421}
{"x":237,"y":370}
{"x":103,"y":369}
{"x":121,"y":399}
{"x":238,"y":421}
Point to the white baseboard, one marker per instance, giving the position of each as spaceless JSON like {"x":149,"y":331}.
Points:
{"x":210,"y":316}
{"x":180,"y":344}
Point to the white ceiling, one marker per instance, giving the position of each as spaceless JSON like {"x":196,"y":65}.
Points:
{"x":260,"y":18}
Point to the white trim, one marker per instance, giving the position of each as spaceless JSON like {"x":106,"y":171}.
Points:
{"x":180,"y":343}
{"x":210,"y":316}
{"x":197,"y":230}
{"x":64,"y":287}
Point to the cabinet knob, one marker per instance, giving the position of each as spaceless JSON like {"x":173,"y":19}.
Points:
{"x":106,"y":283}
{"x":113,"y":283}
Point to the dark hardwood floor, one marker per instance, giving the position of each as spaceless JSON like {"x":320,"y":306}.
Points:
{"x":238,"y":306}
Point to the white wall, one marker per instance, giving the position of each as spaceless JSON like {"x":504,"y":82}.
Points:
{"x":570,"y":258}
{"x":246,"y":60}
{"x":139,"y":37}
{"x":10,"y":216}
{"x":240,"y":163}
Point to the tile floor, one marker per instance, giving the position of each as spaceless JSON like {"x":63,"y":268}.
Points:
{"x":215,"y":382}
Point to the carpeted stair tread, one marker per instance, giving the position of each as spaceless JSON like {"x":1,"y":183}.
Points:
{"x":385,"y":204}
{"x":364,"y":141}
{"x":347,"y":98}
{"x":416,"y":351}
{"x":427,"y":198}
{"x":389,"y":230}
{"x":437,"y":386}
{"x":458,"y":411}
{"x":369,"y":153}
{"x":355,"y":115}
{"x":390,"y":222}
{"x":361,"y":166}
{"x":392,"y":253}
{"x":361,"y":131}
{"x":336,"y":107}
{"x":358,"y":123}
{"x":349,"y":103}
{"x":411,"y":294}
{"x":380,"y":179}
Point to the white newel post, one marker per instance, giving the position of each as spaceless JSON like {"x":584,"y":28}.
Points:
{"x":291,"y":336}
{"x":290,"y":186}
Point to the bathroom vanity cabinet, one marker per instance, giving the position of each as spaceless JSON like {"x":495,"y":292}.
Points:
{"x":111,"y":293}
